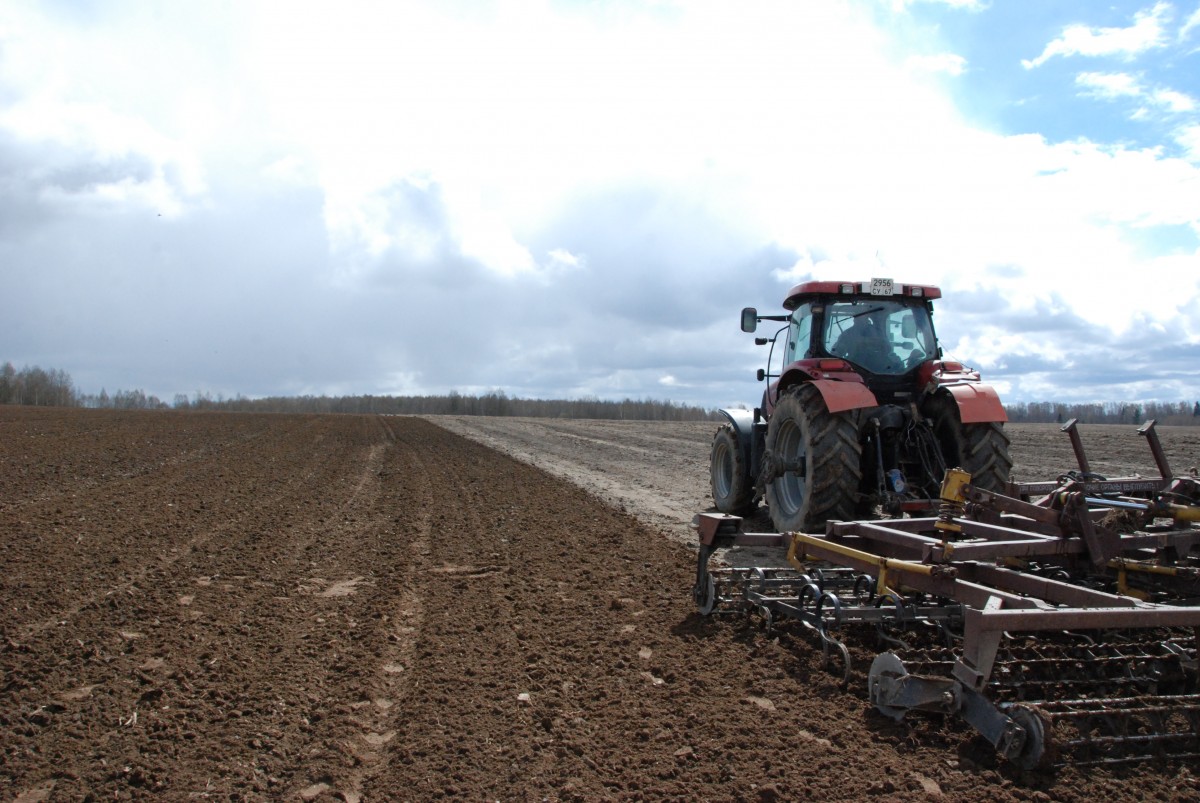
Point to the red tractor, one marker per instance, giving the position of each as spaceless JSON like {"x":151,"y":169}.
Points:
{"x":864,"y":416}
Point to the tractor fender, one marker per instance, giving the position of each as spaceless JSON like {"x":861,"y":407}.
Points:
{"x":840,"y":396}
{"x":742,"y":422}
{"x":977,"y":404}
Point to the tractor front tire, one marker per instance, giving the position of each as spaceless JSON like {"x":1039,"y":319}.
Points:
{"x":729,"y":471}
{"x":980,"y":449}
{"x":813,"y":458}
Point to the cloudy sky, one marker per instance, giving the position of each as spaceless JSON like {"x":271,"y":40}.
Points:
{"x":567,"y":199}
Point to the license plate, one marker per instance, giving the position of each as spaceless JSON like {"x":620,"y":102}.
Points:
{"x":881,"y":287}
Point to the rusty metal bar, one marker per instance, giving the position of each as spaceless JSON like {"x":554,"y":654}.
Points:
{"x":1160,"y":457}
{"x":886,"y":539}
{"x":992,"y":550}
{"x":1118,"y":485}
{"x":912,"y":545}
{"x":1000,"y":532}
{"x":984,"y":626}
{"x":1004,"y":504}
{"x":1181,"y":540}
{"x":1140,"y":616}
{"x":724,"y":530}
{"x":1054,"y":591}
{"x":977,"y":595}
{"x":1072,"y":430}
{"x":916,"y":525}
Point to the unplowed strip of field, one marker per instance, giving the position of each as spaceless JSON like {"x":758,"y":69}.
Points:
{"x":359,"y":608}
{"x":657,"y":470}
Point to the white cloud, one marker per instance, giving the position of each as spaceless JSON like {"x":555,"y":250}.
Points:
{"x":1189,"y":138}
{"x":579,"y":175}
{"x":513,"y":111}
{"x":1109,"y":86}
{"x":948,"y":63}
{"x":1146,"y":33}
{"x":968,"y":5}
{"x":1172,"y":101}
{"x":1114,"y":86}
{"x":108,"y":159}
{"x":1192,"y":22}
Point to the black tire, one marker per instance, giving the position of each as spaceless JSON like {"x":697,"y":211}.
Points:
{"x":981,"y":450}
{"x":803,"y":434}
{"x":729,"y":472}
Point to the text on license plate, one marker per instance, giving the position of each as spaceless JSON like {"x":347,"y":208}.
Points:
{"x":881,"y":287}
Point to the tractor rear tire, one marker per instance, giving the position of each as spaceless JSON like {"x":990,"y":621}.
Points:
{"x":813,"y":458}
{"x":981,"y":449}
{"x":729,"y":472}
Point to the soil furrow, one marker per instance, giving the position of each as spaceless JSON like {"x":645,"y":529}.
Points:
{"x":362,"y":608}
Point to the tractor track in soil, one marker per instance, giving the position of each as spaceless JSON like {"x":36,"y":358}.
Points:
{"x":246,"y":607}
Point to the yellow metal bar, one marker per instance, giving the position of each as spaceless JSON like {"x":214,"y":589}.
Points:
{"x":1124,"y":564}
{"x":1184,"y":513}
{"x":797,"y":555}
{"x":1123,"y":586}
{"x":796,"y":561}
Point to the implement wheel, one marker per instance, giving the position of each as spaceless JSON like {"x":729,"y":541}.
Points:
{"x":813,"y":462}
{"x":732,"y":490}
{"x":979,"y":449}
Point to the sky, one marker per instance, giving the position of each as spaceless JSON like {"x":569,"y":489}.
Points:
{"x":575,"y":199}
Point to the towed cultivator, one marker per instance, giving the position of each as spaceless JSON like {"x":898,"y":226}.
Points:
{"x":1058,"y":619}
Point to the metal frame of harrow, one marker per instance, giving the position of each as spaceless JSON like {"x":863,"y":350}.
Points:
{"x":961,"y":560}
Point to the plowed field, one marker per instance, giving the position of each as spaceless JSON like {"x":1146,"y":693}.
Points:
{"x":246,"y":607}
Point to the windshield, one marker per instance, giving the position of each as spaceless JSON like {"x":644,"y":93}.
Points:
{"x":883,"y":337}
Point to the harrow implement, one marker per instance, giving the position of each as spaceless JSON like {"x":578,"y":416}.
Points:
{"x":1060,"y":621}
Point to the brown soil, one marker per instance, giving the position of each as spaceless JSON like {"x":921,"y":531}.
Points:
{"x":227,"y":606}
{"x":659,"y":471}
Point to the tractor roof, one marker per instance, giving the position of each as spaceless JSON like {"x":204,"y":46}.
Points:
{"x":870,"y":289}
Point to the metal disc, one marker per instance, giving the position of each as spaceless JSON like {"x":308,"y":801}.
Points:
{"x":1034,"y":747}
{"x":885,"y":665}
{"x":709,"y":600}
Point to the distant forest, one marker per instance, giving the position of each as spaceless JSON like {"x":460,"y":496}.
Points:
{"x":53,"y":388}
{"x":35,"y":386}
{"x":1187,"y":413}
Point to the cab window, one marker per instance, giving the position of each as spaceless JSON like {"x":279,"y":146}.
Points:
{"x":799,"y":334}
{"x":880,"y":336}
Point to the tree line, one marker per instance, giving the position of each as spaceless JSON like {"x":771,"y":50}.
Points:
{"x":37,"y":387}
{"x":494,"y":403}
{"x":1105,"y":413}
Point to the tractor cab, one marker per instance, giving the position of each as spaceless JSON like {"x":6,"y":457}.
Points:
{"x":860,"y":411}
{"x":881,"y":337}
{"x":884,"y":331}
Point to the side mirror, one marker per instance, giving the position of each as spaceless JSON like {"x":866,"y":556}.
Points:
{"x":761,"y":374}
{"x":749,"y":319}
{"x":908,"y":328}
